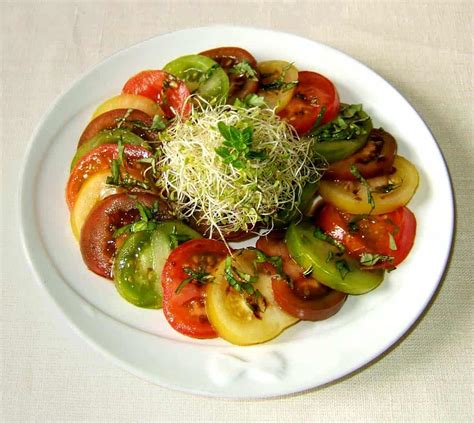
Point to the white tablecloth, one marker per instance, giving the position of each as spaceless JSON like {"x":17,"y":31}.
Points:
{"x":423,"y":48}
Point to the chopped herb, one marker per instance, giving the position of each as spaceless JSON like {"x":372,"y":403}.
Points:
{"x":177,"y":239}
{"x":318,"y":233}
{"x":275,"y":261}
{"x":318,"y":120}
{"x":236,"y":148}
{"x":343,"y":268}
{"x":279,"y":83}
{"x":369,"y":259}
{"x":158,"y":123}
{"x":115,"y":178}
{"x":350,"y":123}
{"x":201,"y":277}
{"x":391,"y":242}
{"x":208,"y":74}
{"x":364,"y":182}
{"x":243,"y":283}
{"x":244,"y":68}
{"x":385,"y":189}
{"x":147,"y":221}
{"x":330,"y":256}
{"x":250,"y":100}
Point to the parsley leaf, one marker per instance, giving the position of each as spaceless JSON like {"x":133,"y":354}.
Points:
{"x":158,"y":123}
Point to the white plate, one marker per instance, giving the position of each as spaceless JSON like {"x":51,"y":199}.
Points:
{"x":306,"y":355}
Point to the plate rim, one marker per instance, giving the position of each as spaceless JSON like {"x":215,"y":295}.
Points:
{"x":22,"y":201}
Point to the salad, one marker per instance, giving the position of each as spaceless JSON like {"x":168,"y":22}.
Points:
{"x":217,"y":148}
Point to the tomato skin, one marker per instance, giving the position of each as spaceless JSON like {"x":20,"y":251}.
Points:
{"x":160,"y":86}
{"x":372,"y":235}
{"x":110,"y":119}
{"x":99,"y":159}
{"x":97,"y":243}
{"x":185,"y":310}
{"x":375,"y":158}
{"x":307,"y":299}
{"x":227,"y":58}
{"x":314,"y":91}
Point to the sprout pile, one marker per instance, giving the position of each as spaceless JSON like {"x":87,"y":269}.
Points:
{"x":234,"y":168}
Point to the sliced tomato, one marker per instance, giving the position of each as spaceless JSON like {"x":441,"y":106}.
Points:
{"x":244,"y":316}
{"x":98,"y":245}
{"x":314,"y":95}
{"x":100,"y":159}
{"x":129,"y":101}
{"x":375,"y":158}
{"x":184,"y":304}
{"x":278,"y":81}
{"x":388,"y":192}
{"x":241,"y":84}
{"x":169,"y":92}
{"x":305,"y":297}
{"x":380,"y":241}
{"x":134,"y":120}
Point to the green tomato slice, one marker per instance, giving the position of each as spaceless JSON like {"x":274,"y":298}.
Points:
{"x":201,"y":75}
{"x":328,"y":266}
{"x":112,"y":136}
{"x":344,"y":135}
{"x":140,"y":261}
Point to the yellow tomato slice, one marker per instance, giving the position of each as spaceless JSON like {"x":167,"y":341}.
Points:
{"x":231,"y":316}
{"x":389,"y":192}
{"x":129,"y":101}
{"x":93,"y":190}
{"x":271,"y":73}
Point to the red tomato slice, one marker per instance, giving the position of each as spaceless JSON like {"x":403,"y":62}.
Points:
{"x":98,"y":159}
{"x":375,"y":158}
{"x":185,"y":308}
{"x":169,"y":92}
{"x":111,"y":119}
{"x":228,"y":57}
{"x":98,"y":245}
{"x":314,"y":91}
{"x":307,"y":299}
{"x":390,"y":235}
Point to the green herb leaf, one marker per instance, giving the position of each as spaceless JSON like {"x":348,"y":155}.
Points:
{"x":200,"y":276}
{"x":177,"y":239}
{"x":318,"y":233}
{"x":343,"y":268}
{"x":350,"y":123}
{"x":244,"y":68}
{"x":369,"y":259}
{"x":391,"y":242}
{"x":236,"y":148}
{"x":158,"y":123}
{"x":364,"y":182}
